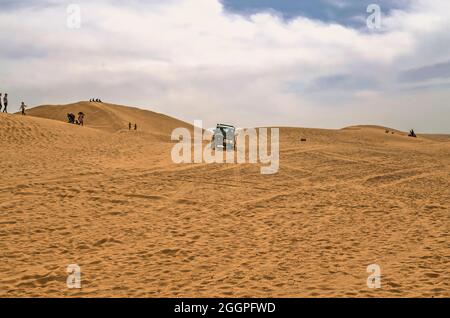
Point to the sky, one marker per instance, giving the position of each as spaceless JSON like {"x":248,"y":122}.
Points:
{"x":248,"y":63}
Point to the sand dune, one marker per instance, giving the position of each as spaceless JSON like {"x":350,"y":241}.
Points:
{"x":110,"y":117}
{"x":112,"y":201}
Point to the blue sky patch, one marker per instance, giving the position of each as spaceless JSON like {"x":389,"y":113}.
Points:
{"x":345,"y":12}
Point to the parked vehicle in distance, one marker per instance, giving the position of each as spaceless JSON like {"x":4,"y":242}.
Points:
{"x":224,"y":137}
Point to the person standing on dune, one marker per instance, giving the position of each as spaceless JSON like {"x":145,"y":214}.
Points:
{"x":5,"y":103}
{"x":129,"y":126}
{"x":81,"y":118}
{"x":22,"y":108}
{"x":135,"y":126}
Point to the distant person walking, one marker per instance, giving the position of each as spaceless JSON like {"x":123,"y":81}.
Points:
{"x":22,"y":108}
{"x":129,"y":126}
{"x":135,"y":126}
{"x":5,"y":103}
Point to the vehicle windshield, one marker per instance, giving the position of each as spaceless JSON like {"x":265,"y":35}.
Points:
{"x":228,"y":131}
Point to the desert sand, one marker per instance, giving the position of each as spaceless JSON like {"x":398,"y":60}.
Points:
{"x":138,"y":225}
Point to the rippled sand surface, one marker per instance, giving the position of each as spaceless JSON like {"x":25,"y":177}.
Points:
{"x":138,"y":225}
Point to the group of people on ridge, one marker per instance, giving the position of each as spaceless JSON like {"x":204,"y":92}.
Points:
{"x":4,"y":104}
{"x":95,"y":100}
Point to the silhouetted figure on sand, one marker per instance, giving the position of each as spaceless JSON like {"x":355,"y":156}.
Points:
{"x":129,"y":126}
{"x":135,"y":126}
{"x":5,"y":103}
{"x":412,"y":133}
{"x":22,"y":108}
{"x":81,"y":118}
{"x":71,"y":118}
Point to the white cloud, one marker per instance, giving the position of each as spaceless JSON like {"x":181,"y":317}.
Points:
{"x":191,"y":59}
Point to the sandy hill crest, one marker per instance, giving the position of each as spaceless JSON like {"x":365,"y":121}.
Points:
{"x":111,"y":118}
